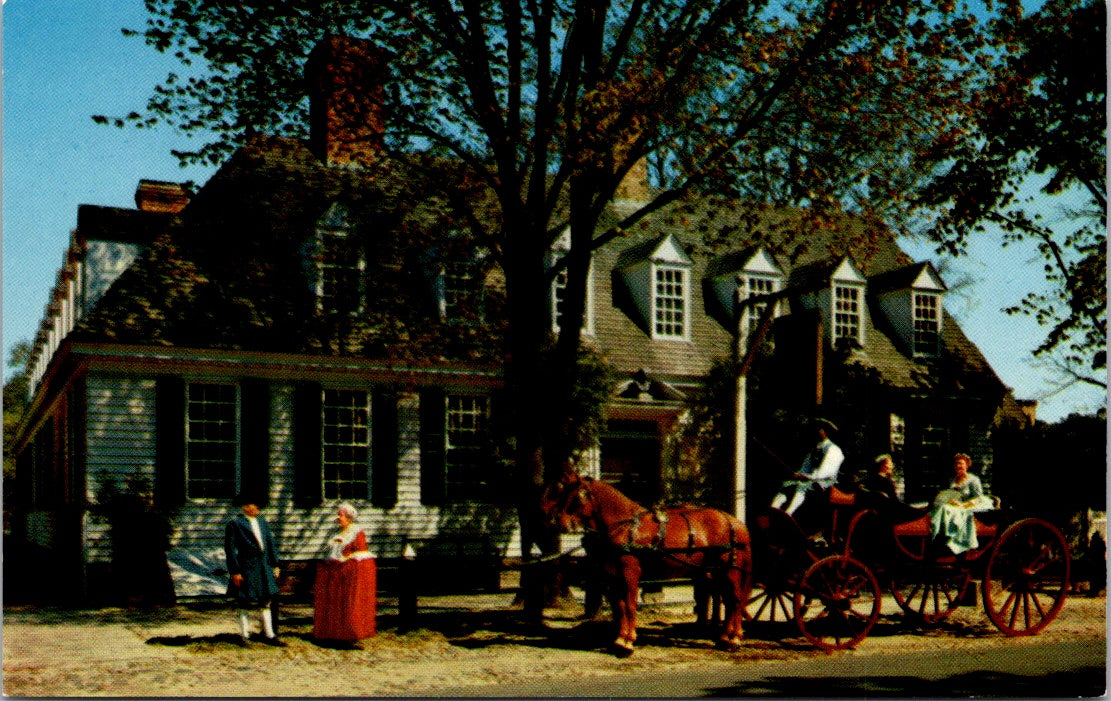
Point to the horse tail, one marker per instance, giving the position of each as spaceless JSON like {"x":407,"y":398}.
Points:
{"x":740,"y":545}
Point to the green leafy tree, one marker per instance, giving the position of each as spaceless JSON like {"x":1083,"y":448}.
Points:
{"x":548,"y":104}
{"x":1043,"y":118}
{"x":16,"y":396}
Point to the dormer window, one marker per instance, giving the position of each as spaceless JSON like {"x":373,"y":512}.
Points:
{"x":741,"y":275}
{"x":559,"y":287}
{"x":657,"y":275}
{"x":847,"y":314}
{"x":460,"y":290}
{"x":911,"y":300}
{"x":459,"y":283}
{"x":754,"y":286}
{"x":927,"y":323}
{"x":669,"y":303}
{"x":340,"y":263}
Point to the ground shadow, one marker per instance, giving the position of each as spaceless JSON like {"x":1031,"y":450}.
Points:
{"x":1083,"y":682}
{"x":562,"y":629}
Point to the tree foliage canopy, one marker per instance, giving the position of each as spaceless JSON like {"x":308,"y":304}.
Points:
{"x":831,"y":105}
{"x":1043,"y":119}
{"x":798,"y":102}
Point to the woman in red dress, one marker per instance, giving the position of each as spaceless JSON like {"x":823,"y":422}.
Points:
{"x":344,"y":598}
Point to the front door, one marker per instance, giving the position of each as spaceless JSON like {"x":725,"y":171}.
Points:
{"x":630,"y":453}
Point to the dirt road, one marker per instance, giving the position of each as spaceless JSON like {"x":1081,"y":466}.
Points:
{"x":471,"y":642}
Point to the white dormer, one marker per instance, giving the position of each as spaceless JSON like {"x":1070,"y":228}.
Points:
{"x":911,"y":299}
{"x":846,"y":305}
{"x":837,"y":292}
{"x":660,"y":285}
{"x":755,"y":273}
{"x":559,"y":286}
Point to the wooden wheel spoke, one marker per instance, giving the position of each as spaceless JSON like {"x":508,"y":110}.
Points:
{"x":925,"y":600}
{"x":782,"y":599}
{"x":855,"y":586}
{"x":763,"y":604}
{"x":1014,"y":604}
{"x":1034,"y":608}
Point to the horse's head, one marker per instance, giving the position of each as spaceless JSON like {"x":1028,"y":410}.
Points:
{"x":566,"y":502}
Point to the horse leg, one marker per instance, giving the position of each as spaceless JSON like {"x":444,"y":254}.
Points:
{"x":628,"y":583}
{"x":707,"y":600}
{"x":735,"y":588}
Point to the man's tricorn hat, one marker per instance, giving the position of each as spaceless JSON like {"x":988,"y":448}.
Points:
{"x":826,"y":424}
{"x":248,"y":498}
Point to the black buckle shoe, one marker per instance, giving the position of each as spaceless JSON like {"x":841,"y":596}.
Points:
{"x":274,"y":642}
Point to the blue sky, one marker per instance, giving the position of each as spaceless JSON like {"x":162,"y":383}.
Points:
{"x":65,"y":61}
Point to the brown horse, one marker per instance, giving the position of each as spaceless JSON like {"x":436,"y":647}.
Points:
{"x":701,"y":543}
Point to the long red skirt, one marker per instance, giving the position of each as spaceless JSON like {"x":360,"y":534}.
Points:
{"x":345,"y":600}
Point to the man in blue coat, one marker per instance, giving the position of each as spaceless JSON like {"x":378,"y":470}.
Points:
{"x":253,"y":566}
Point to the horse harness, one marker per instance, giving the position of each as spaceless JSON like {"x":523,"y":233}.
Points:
{"x":662,"y":517}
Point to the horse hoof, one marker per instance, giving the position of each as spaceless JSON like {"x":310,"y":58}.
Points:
{"x":729,"y":644}
{"x":622,"y":647}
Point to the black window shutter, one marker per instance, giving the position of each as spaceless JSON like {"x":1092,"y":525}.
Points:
{"x":383,"y":444}
{"x":169,"y":462}
{"x":433,"y":420}
{"x":254,"y":425}
{"x":307,"y":479}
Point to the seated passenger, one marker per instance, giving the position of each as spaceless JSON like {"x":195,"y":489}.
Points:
{"x":819,"y":470}
{"x":952,"y":515}
{"x":879,"y":492}
{"x":881,"y":480}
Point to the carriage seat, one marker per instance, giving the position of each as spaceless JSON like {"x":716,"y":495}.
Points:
{"x":920,"y":527}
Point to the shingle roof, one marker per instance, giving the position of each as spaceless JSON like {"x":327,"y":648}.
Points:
{"x":263,"y":203}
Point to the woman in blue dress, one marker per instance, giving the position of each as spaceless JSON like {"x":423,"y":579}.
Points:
{"x":952,"y":516}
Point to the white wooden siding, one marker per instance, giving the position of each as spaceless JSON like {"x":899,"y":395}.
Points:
{"x":121,"y":447}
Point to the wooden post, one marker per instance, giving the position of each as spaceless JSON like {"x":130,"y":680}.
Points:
{"x":740,"y":402}
{"x":819,"y":351}
{"x":407,"y":593}
{"x":744,"y":351}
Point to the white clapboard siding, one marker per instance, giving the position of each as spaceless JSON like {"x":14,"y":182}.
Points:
{"x":120,"y":425}
{"x":121,"y":447}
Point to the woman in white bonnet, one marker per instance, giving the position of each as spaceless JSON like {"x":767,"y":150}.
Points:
{"x":344,"y":594}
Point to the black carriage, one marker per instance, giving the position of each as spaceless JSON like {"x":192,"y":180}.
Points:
{"x":832,"y":586}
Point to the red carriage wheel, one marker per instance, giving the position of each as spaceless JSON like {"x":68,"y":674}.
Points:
{"x":1027,"y":577}
{"x":837,"y":603}
{"x":930,"y":594}
{"x":770,"y":601}
{"x":779,"y":555}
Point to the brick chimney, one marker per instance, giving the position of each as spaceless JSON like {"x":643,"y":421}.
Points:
{"x":345,"y":77}
{"x":161,"y":196}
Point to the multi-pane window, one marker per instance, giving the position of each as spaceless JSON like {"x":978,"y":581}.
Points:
{"x":346,"y":443}
{"x":212,"y":437}
{"x":467,"y":475}
{"x":755,"y":285}
{"x":670,"y":303}
{"x":927,"y":323}
{"x":933,"y":459}
{"x":559,"y":297}
{"x":460,"y":292}
{"x":340,"y":263}
{"x":559,"y":294}
{"x":846,"y":313}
